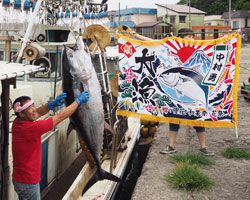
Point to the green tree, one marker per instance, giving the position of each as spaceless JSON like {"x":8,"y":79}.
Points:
{"x":212,"y":7}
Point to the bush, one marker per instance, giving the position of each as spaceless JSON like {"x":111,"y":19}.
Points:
{"x":192,"y":159}
{"x":188,"y":177}
{"x":234,"y":152}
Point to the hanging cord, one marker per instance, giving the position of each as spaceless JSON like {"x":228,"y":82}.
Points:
{"x":56,"y":72}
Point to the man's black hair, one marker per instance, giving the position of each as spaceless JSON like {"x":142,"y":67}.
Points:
{"x":184,"y":32}
{"x":21,"y":99}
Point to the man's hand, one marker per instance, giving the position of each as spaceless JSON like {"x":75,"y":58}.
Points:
{"x":59,"y":101}
{"x":84,"y":97}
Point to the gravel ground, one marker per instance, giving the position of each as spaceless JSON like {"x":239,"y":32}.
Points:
{"x":231,"y":177}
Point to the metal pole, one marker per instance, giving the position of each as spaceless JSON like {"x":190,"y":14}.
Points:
{"x":119,"y":15}
{"x":230,"y":14}
{"x":189,"y":14}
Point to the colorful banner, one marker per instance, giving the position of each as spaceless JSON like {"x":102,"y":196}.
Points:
{"x":189,"y":82}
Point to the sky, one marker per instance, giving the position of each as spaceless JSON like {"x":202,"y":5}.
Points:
{"x":114,"y":4}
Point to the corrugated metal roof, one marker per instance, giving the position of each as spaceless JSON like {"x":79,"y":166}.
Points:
{"x":12,"y":70}
{"x":236,"y":14}
{"x":181,"y":8}
{"x":130,"y":11}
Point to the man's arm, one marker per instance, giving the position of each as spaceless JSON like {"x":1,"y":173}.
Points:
{"x":69,"y":110}
{"x":65,"y":113}
{"x":141,"y":37}
{"x":42,"y":110}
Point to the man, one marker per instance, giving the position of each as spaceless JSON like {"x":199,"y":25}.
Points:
{"x":26,"y":140}
{"x":184,"y":33}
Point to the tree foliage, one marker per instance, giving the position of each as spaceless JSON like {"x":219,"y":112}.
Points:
{"x":212,"y":7}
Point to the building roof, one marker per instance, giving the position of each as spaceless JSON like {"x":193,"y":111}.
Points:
{"x":181,"y":8}
{"x":236,"y":14}
{"x":131,"y":11}
{"x":13,"y":70}
{"x":126,"y":23}
{"x":151,"y":24}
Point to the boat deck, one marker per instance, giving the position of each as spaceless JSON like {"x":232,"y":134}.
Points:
{"x":61,"y":186}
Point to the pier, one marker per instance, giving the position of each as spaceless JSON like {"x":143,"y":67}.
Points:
{"x":231,"y":176}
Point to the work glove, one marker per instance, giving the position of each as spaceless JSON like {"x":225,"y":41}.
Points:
{"x":84,"y":97}
{"x":59,"y":101}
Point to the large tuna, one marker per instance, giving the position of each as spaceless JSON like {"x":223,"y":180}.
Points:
{"x":88,"y":120}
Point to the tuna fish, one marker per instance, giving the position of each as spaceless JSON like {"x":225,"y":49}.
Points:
{"x":88,"y":120}
{"x":185,"y":82}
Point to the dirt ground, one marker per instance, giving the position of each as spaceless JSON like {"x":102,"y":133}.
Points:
{"x":231,"y":177}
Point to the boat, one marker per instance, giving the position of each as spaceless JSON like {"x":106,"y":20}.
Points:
{"x":40,"y":42}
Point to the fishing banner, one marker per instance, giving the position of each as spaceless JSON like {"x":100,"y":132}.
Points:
{"x":189,"y":82}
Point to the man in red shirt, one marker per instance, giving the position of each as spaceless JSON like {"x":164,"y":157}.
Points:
{"x":26,"y":140}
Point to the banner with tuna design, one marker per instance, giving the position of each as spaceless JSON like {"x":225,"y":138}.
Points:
{"x":189,"y":82}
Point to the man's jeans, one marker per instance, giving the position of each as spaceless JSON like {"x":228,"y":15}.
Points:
{"x":27,"y":191}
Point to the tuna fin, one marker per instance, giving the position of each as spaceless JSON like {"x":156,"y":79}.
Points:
{"x":71,"y":127}
{"x":100,"y":175}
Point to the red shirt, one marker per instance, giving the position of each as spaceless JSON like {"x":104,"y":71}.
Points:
{"x":27,"y":149}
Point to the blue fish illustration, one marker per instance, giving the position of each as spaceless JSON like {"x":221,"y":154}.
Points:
{"x":187,"y":82}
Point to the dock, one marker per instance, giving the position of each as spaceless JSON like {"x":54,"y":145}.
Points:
{"x":231,"y":177}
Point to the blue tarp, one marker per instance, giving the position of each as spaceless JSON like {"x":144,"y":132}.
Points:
{"x":130,"y":11}
{"x":96,"y":15}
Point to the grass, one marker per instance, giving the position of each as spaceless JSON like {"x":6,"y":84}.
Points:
{"x":188,"y":177}
{"x":192,"y":159}
{"x":234,"y":152}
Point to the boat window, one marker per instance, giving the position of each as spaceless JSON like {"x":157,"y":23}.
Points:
{"x":1,"y":55}
{"x":13,"y":55}
{"x":57,"y":35}
{"x":55,"y":69}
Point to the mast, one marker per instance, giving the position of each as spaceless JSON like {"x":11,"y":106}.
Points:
{"x":25,"y":40}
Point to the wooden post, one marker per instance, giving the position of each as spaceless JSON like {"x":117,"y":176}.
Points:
{"x":7,"y":40}
{"x":5,"y":96}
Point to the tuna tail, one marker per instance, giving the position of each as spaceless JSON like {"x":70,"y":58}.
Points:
{"x":100,"y":175}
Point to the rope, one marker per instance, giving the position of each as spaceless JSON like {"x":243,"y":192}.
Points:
{"x":171,"y":34}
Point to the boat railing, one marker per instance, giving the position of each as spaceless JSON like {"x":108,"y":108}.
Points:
{"x":119,"y":124}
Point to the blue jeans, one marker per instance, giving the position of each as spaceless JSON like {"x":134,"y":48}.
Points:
{"x":175,"y":127}
{"x":27,"y":191}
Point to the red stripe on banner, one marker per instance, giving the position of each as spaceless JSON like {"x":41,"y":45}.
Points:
{"x":225,"y":96}
{"x":234,"y":45}
{"x":229,"y":81}
{"x":228,"y":103}
{"x":178,"y":44}
{"x":213,"y":118}
{"x":227,"y":75}
{"x":210,"y":54}
{"x":120,"y":49}
{"x":233,"y":61}
{"x":172,"y":45}
{"x":230,"y":108}
{"x":208,"y":47}
{"x":231,"y":56}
